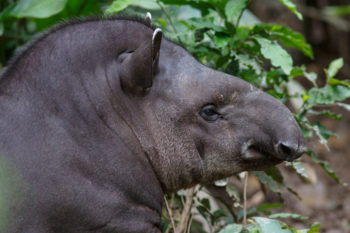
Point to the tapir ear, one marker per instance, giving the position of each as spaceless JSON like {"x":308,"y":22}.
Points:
{"x":138,"y":68}
{"x":148,"y":19}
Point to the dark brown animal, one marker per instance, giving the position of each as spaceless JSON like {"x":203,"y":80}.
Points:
{"x":100,"y":118}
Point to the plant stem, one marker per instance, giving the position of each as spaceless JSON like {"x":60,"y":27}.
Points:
{"x":181,"y":228}
{"x":170,"y":214}
{"x":245,"y":201}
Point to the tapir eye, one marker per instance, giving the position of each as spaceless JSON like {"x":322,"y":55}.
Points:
{"x":209,"y":113}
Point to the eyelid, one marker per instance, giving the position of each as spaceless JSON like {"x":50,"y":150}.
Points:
{"x":211,"y":107}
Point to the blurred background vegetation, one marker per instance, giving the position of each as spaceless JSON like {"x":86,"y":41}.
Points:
{"x":298,"y":51}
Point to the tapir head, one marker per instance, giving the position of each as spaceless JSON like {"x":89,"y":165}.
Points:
{"x":204,"y":124}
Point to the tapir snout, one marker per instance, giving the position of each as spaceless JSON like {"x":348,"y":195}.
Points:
{"x":276,"y":134}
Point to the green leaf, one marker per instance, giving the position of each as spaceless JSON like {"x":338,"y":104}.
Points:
{"x":277,"y":55}
{"x":328,"y":94}
{"x":200,"y":23}
{"x":119,"y":5}
{"x":269,"y":206}
{"x":233,"y":192}
{"x":221,"y":183}
{"x":286,"y":36}
{"x":267,"y":225}
{"x":268,"y":180}
{"x":288,"y":215}
{"x":292,"y":7}
{"x":147,"y":4}
{"x":322,"y":133}
{"x":5,"y":13}
{"x":298,"y":167}
{"x":221,"y":40}
{"x":203,"y":6}
{"x":162,"y":22}
{"x":301,"y":72}
{"x":275,"y":173}
{"x":334,"y":81}
{"x":38,"y":8}
{"x":232,"y":228}
{"x":327,"y":113}
{"x":220,"y":213}
{"x":83,"y":8}
{"x":315,"y":228}
{"x":234,"y":8}
{"x":334,"y":67}
{"x":1,"y":28}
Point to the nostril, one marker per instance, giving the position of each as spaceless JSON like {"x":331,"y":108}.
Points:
{"x":288,"y":151}
{"x":284,"y":149}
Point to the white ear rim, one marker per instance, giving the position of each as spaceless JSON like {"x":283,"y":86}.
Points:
{"x":148,"y":17}
{"x":155,"y":33}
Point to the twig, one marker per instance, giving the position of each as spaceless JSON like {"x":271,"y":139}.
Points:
{"x":181,"y":228}
{"x":170,"y":214}
{"x":245,"y":201}
{"x":189,"y":224}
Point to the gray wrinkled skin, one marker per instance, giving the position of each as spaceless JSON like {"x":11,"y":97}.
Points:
{"x":97,"y":129}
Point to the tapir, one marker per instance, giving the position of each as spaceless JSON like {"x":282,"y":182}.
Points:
{"x":99,"y":118}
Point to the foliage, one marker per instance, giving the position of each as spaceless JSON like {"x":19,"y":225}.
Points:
{"x":224,"y":35}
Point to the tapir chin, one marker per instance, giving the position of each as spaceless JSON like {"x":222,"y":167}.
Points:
{"x":101,"y":117}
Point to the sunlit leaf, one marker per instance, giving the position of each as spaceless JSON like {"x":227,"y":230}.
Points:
{"x":38,"y":8}
{"x":119,"y":5}
{"x":203,"y":6}
{"x":334,"y":67}
{"x":334,"y":81}
{"x":277,"y":55}
{"x":299,"y":168}
{"x":234,"y":8}
{"x":233,"y":192}
{"x":232,"y":228}
{"x":328,"y":94}
{"x":315,"y":228}
{"x":292,"y":7}
{"x":221,"y":183}
{"x":267,"y":225}
{"x":147,"y":4}
{"x":286,"y":36}
{"x":288,"y":215}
